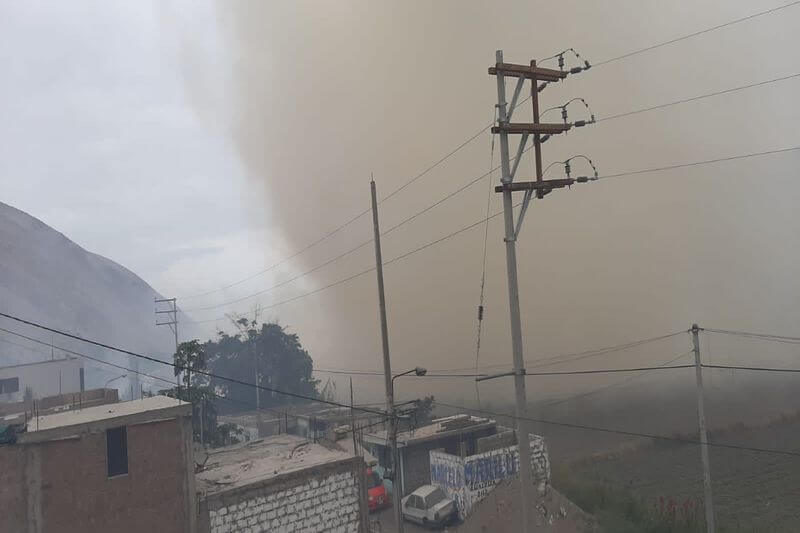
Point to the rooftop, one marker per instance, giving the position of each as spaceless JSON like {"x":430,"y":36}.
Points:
{"x":79,"y":417}
{"x":347,"y":445}
{"x":244,"y":464}
{"x":61,"y":360}
{"x":60,"y":402}
{"x":439,"y":428}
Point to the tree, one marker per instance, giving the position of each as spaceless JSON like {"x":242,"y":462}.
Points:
{"x":263,"y":354}
{"x":424,"y":410}
{"x":190,"y":364}
{"x":190,"y":358}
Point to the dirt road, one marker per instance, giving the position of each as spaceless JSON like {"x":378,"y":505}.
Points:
{"x":386,"y":519}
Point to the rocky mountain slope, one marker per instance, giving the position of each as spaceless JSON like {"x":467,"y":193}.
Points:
{"x":47,"y":278}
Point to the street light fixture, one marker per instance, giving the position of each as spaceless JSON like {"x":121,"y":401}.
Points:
{"x":419,"y":371}
{"x":396,"y":473}
{"x":114,"y":379}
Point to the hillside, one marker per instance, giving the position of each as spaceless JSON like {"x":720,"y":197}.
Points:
{"x":47,"y":278}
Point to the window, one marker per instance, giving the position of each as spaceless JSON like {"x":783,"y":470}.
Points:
{"x":433,"y":498}
{"x":117,"y":451}
{"x":9,"y":385}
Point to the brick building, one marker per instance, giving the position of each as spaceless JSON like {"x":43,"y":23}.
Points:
{"x":281,"y":483}
{"x":123,"y":467}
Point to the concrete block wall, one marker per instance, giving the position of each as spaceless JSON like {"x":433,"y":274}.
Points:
{"x":467,"y":480}
{"x":416,"y":467}
{"x":416,"y":457}
{"x":540,"y":461}
{"x":307,"y":503}
{"x":502,"y":439}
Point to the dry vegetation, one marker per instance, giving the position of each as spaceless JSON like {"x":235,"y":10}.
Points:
{"x":753,"y":491}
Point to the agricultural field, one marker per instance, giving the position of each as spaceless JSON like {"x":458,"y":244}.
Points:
{"x":752,"y":491}
{"x":637,"y":484}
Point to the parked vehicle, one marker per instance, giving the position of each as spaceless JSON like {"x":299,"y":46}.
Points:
{"x":377,"y":496}
{"x":429,"y":506}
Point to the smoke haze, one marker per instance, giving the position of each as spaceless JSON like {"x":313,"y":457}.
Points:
{"x":316,"y":96}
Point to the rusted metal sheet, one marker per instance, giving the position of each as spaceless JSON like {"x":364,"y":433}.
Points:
{"x":544,"y":185}
{"x":526,"y":71}
{"x":528,"y":127}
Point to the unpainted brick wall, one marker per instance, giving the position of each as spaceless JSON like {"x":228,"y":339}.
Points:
{"x":70,"y":492}
{"x":13,"y":504}
{"x":330,"y":502}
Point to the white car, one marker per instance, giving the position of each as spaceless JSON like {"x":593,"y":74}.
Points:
{"x":429,"y":506}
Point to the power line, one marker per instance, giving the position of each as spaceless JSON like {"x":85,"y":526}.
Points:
{"x":173,"y":365}
{"x":284,"y":282}
{"x":438,"y":162}
{"x":463,"y":188}
{"x":695,"y":34}
{"x":587,"y":354}
{"x":31,"y":348}
{"x":299,"y":296}
{"x":465,"y":143}
{"x":577,"y":356}
{"x":552,"y":360}
{"x":483,"y":265}
{"x":700,"y":97}
{"x":698,"y":163}
{"x":623,"y":432}
{"x":612,"y":385}
{"x":354,"y":218}
{"x":557,"y":359}
{"x":554,"y":373}
{"x":351,"y":250}
{"x":282,"y":261}
{"x":348,"y":372}
{"x":753,"y":368}
{"x":83,"y":355}
{"x":470,"y":226}
{"x":748,"y":334}
{"x":444,"y":199}
{"x":366,"y":271}
{"x":164,"y":380}
{"x":607,"y":370}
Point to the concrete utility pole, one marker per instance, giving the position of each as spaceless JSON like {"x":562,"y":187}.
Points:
{"x":257,"y":381}
{"x":701,"y":419}
{"x":171,"y":321}
{"x":353,"y":420}
{"x":541,"y":187}
{"x":387,"y":366}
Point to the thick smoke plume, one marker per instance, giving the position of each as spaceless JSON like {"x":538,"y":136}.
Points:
{"x":324,"y":94}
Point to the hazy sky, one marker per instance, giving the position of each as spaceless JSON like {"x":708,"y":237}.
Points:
{"x":197,"y":145}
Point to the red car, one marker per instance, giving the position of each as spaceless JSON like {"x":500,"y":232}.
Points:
{"x":377,"y":496}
